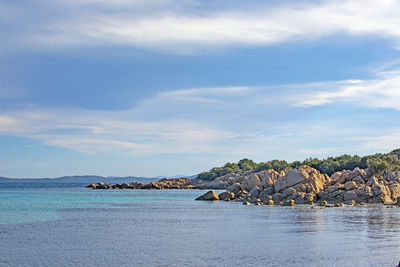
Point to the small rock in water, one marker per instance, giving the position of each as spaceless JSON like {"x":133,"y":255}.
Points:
{"x":210,"y":195}
{"x":270,"y":202}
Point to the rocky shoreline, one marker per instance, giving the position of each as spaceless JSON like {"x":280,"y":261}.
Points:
{"x":306,"y":185}
{"x":301,"y":185}
{"x":178,"y":183}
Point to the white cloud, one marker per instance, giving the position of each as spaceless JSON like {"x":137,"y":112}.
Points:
{"x":383,"y":92}
{"x":210,"y":95}
{"x":185,"y":26}
{"x":227,"y":120}
{"x":91,"y":131}
{"x":7,"y":122}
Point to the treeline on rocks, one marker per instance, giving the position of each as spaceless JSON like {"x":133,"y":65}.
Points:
{"x":377,"y":163}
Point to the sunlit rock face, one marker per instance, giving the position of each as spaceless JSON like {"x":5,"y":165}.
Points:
{"x":306,"y":185}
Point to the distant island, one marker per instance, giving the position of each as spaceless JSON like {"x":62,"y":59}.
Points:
{"x":330,"y":182}
{"x":78,"y":179}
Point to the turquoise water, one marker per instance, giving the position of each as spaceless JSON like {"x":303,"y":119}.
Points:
{"x":38,"y":203}
{"x":74,"y":226}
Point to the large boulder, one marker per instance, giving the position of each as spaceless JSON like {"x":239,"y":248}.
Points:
{"x":359,"y":180}
{"x":339,"y":177}
{"x":347,"y":175}
{"x":335,"y":187}
{"x":288,"y":192}
{"x":302,"y":174}
{"x":372,"y":181}
{"x":350,"y":195}
{"x":210,"y":195}
{"x":250,"y":182}
{"x":394,"y":191}
{"x":234,"y":188}
{"x":255,"y":192}
{"x":350,"y":185}
{"x":276,"y":197}
{"x":268,"y":177}
{"x":267,"y":191}
{"x":382,"y":193}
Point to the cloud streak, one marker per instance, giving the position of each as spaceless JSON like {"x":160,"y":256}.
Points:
{"x":224,"y":120}
{"x":383,"y":92}
{"x":91,"y":131}
{"x":186,"y":26}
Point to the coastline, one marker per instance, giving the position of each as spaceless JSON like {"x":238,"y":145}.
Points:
{"x":301,"y":185}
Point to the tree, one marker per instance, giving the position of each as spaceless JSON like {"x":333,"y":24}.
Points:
{"x":247,"y":164}
{"x":377,"y":165}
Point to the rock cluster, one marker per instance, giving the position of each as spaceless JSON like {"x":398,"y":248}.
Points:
{"x":179,"y":183}
{"x":306,"y":185}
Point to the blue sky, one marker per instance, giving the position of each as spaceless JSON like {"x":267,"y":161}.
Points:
{"x":169,"y":87}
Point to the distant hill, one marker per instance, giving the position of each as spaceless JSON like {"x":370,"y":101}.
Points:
{"x":86,"y":179}
{"x":177,"y":176}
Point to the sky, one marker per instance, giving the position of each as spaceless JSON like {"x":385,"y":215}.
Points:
{"x":166,"y":87}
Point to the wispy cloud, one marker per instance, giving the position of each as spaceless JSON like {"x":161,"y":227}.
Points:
{"x":91,"y":131}
{"x":210,"y":95}
{"x":383,"y":92}
{"x":183,"y":26}
{"x":225,"y":120}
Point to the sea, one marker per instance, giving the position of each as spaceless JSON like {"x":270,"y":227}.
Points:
{"x":55,"y":224}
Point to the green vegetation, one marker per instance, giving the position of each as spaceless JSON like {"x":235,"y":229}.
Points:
{"x":242,"y":165}
{"x":377,"y":163}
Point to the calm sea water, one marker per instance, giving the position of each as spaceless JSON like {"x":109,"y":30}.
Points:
{"x":60,"y":225}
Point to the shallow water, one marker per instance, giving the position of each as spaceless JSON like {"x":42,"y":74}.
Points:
{"x":84,"y":227}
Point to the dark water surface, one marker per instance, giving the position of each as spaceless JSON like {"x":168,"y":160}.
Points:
{"x":70,"y":226}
